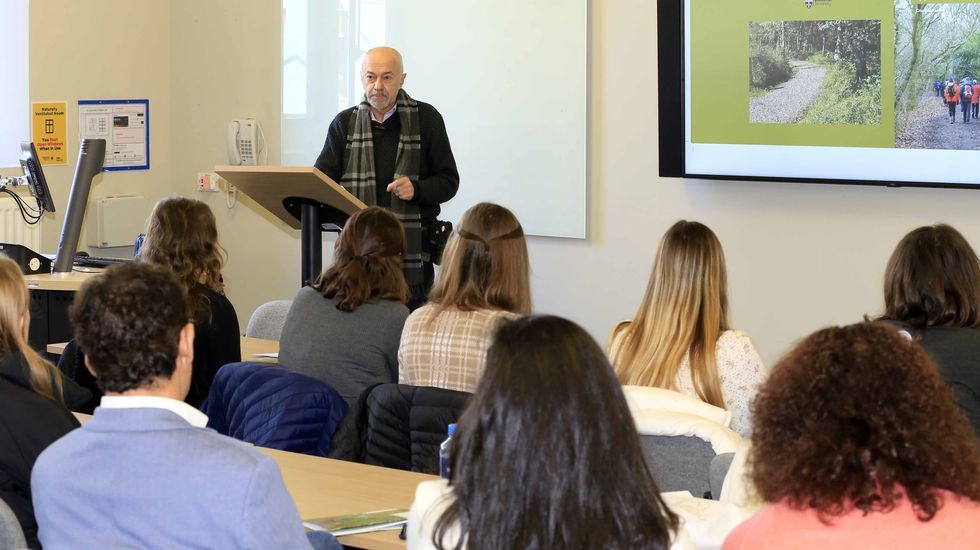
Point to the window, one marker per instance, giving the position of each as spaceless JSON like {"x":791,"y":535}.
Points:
{"x":322,"y":44}
{"x":14,"y":101}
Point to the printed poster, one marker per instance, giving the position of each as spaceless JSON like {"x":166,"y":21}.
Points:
{"x":124,"y":124}
{"x":49,"y":132}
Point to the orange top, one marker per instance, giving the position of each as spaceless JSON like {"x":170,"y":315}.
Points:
{"x":955,"y":98}
{"x":955,"y":525}
{"x":976,"y":93}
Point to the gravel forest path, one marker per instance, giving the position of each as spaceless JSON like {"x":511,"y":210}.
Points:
{"x":789,"y":101}
{"x":928,"y":127}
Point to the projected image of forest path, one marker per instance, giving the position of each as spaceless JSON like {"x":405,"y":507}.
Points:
{"x":789,"y":101}
{"x":927,"y":127}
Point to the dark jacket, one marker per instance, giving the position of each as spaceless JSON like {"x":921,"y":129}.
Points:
{"x":29,"y":422}
{"x":956,"y":351}
{"x":267,"y":405}
{"x":217,"y":342}
{"x":438,"y":176}
{"x":399,"y":426}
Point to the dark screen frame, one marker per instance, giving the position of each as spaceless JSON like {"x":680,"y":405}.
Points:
{"x":30,"y":164}
{"x":671,"y":86}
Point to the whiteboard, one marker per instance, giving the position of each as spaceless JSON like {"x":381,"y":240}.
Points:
{"x":510,"y":79}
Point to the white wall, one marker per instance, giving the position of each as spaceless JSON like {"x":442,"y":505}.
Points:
{"x":102,"y":49}
{"x":799,"y":256}
{"x":219,"y":75}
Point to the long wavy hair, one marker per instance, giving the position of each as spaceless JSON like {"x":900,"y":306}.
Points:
{"x":684,"y":311}
{"x":486,"y":264}
{"x":14,"y":322}
{"x":858,"y":417}
{"x":933,"y":279}
{"x":546,"y":454}
{"x":367,"y":261}
{"x":182,"y":235}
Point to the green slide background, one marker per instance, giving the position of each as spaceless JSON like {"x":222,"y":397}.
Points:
{"x":719,"y":78}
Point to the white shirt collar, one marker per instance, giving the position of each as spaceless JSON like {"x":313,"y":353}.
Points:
{"x":387,"y":115}
{"x":193,"y":416}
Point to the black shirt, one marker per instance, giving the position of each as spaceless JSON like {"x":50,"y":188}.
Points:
{"x":217,"y":342}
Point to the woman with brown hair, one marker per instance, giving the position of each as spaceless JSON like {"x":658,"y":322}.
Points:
{"x":680,"y":337}
{"x":182,"y":235}
{"x":546,"y":455}
{"x":344,"y":328}
{"x":932,"y":291}
{"x":485,"y":277}
{"x":859,"y":444}
{"x":33,"y":397}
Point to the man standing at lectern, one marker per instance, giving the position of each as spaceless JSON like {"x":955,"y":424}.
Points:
{"x":393,"y":151}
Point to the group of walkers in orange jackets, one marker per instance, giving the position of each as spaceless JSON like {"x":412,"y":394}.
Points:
{"x":966,"y":92}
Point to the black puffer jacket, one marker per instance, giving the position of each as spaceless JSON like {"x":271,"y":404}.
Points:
{"x":399,"y":426}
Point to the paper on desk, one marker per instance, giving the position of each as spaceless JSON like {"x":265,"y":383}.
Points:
{"x":273,"y":355}
{"x":353,"y":524}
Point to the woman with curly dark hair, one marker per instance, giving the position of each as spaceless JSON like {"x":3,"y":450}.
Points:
{"x":932,"y":290}
{"x":546,"y":455}
{"x":859,"y":444}
{"x":182,"y":236}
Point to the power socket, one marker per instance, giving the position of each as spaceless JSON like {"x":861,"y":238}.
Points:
{"x":208,"y":182}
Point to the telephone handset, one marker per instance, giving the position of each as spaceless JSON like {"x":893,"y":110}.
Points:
{"x":243,"y":143}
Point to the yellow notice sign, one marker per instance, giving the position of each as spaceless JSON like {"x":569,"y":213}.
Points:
{"x":50,"y":132}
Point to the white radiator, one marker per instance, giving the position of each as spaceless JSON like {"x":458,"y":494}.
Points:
{"x":13,"y":228}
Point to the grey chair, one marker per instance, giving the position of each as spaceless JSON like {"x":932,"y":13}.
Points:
{"x":11,"y":535}
{"x":268,"y":319}
{"x":679,"y":463}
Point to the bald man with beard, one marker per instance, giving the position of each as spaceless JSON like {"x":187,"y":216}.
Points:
{"x":393,"y":151}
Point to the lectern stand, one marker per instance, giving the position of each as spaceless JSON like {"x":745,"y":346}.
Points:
{"x":303,"y":198}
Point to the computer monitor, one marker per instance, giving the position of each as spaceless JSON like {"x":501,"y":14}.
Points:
{"x":38,"y":186}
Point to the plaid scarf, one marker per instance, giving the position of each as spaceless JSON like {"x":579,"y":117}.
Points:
{"x":359,"y":175}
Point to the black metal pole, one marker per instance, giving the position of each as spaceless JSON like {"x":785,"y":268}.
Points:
{"x":312,"y":243}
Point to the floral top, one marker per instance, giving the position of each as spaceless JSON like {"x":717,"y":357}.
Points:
{"x":740,"y":373}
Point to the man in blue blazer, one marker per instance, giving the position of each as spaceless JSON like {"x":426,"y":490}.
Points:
{"x":144,"y":472}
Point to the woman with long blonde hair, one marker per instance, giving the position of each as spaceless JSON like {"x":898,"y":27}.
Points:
{"x":33,"y":395}
{"x":485,"y":277}
{"x":680,"y":337}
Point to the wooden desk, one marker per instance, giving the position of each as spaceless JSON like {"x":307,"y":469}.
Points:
{"x":70,"y":282}
{"x":325,"y":487}
{"x":250,"y":347}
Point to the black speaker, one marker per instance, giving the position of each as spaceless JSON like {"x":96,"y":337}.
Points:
{"x":30,"y":262}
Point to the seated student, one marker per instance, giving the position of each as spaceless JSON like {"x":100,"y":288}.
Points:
{"x":182,"y":236}
{"x":859,"y":444}
{"x":32,"y":400}
{"x":932,"y":291}
{"x":345,"y":327}
{"x":680,"y":338}
{"x":484,"y":278}
{"x":144,"y":472}
{"x":546,"y":455}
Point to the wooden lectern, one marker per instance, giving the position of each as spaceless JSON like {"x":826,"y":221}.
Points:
{"x":302,"y":197}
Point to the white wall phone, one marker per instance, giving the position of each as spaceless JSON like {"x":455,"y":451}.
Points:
{"x":244,"y":141}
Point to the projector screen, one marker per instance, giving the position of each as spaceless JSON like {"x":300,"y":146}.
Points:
{"x":876,"y":91}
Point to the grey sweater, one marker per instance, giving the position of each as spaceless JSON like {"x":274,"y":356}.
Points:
{"x":348,"y":351}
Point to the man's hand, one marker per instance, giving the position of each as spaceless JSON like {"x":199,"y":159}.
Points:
{"x":402,"y":188}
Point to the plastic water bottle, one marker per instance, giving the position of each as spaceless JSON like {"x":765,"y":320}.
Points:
{"x":444,"y":453}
